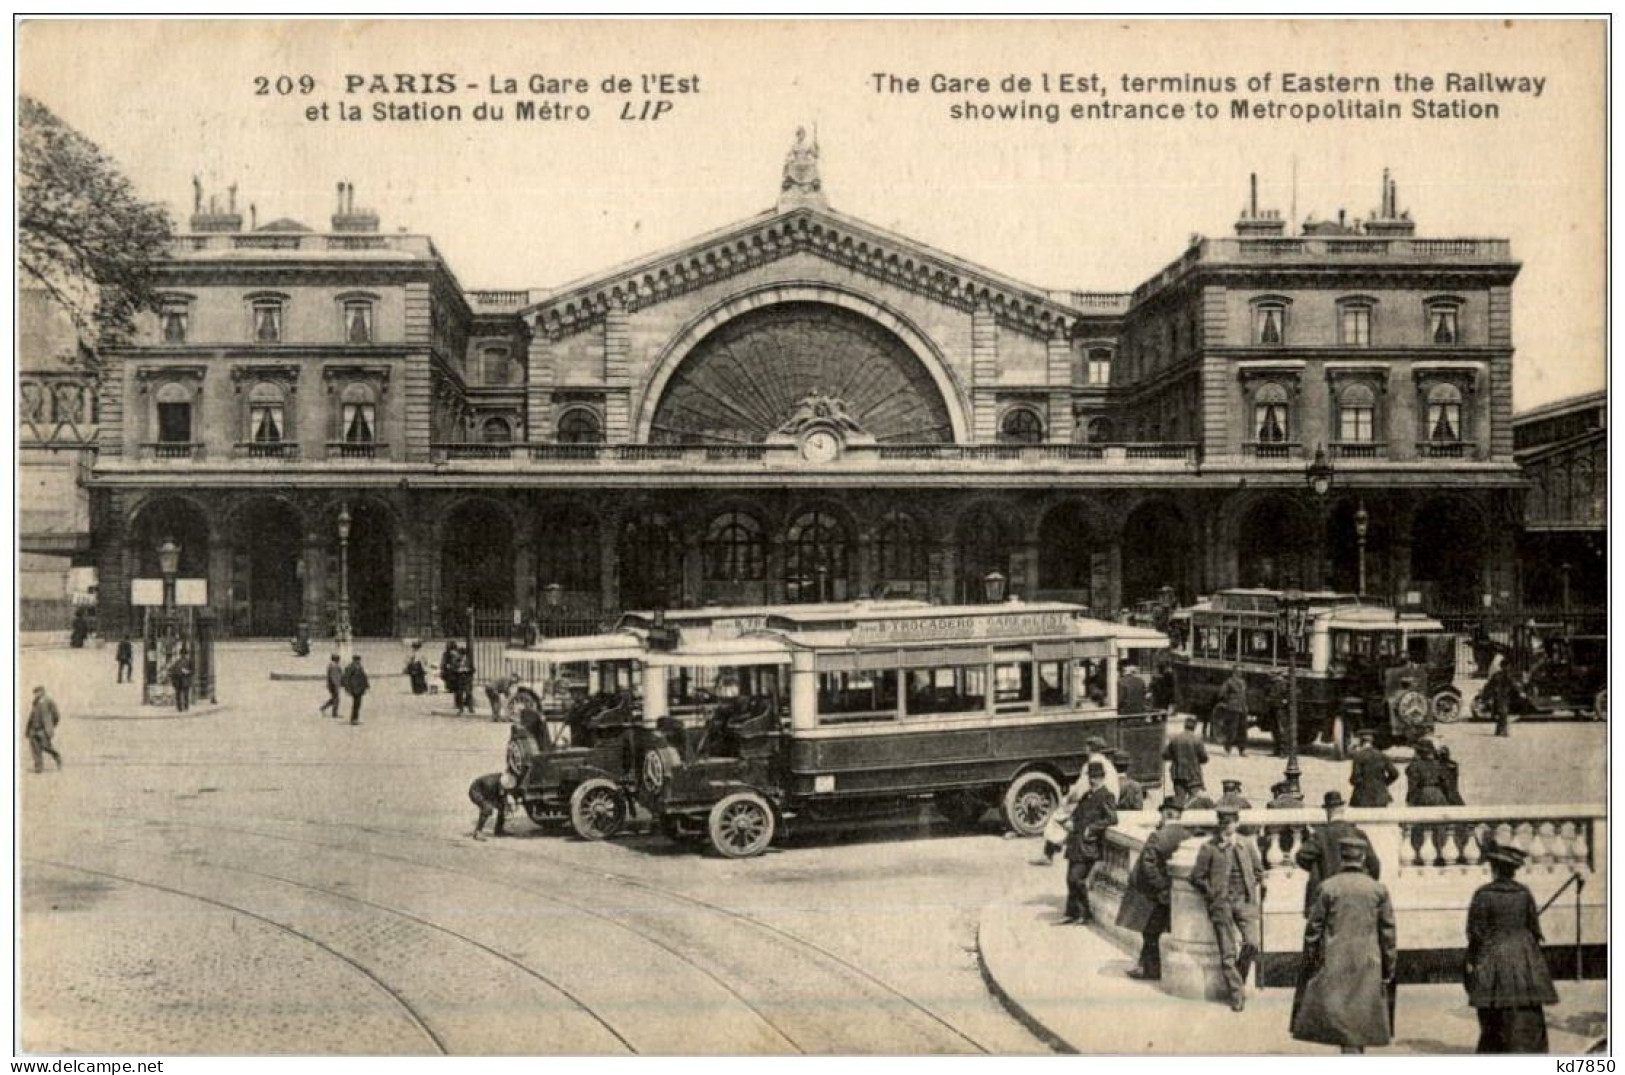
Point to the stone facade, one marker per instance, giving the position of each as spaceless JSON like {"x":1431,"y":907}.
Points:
{"x":803,"y":406}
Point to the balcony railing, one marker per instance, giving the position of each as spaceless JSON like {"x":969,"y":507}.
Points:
{"x":357,"y":449}
{"x":172,"y":449}
{"x":1359,"y":449}
{"x":285,"y":450}
{"x":1445,"y":449}
{"x":476,"y":450}
{"x":1273,"y":449}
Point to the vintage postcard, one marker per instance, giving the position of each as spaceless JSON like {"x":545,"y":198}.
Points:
{"x":821,"y":537}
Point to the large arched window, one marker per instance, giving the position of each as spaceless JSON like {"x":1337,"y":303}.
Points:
{"x":904,"y":554}
{"x":1021,"y":425}
{"x":816,"y":559}
{"x":1357,"y":414}
{"x":1271,"y":414}
{"x":1444,"y":414}
{"x":984,"y":547}
{"x":579,"y":425}
{"x":735,"y":549}
{"x":651,"y":557}
{"x":496,"y":431}
{"x":267,"y":420}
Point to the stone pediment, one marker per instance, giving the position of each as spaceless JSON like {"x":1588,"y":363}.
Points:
{"x":848,"y":242}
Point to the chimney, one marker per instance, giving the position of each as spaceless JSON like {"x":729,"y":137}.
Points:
{"x":1389,"y":222}
{"x":348,"y":217}
{"x":210,"y":218}
{"x":1256,"y":223}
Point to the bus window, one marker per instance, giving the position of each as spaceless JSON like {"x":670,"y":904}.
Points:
{"x":1260,"y":646}
{"x":1052,"y":682}
{"x":1013,"y":686}
{"x":1090,"y":682}
{"x":946,"y":690}
{"x":854,"y":697}
{"x":1387,"y":646}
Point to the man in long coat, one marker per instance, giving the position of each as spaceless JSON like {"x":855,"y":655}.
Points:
{"x":1186,"y":755}
{"x":1321,"y":854}
{"x":1229,"y":874}
{"x":43,"y":717}
{"x":1086,"y":843}
{"x":1131,"y":692}
{"x":356,"y":683}
{"x":1148,"y":900}
{"x":1370,"y":774}
{"x":1351,"y":951}
{"x":1230,"y":712}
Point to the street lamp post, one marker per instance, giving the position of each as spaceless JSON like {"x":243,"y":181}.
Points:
{"x":161,"y":639}
{"x":1362,"y":525}
{"x":993,"y":587}
{"x":1296,"y":606}
{"x":341,"y":630}
{"x":1319,"y":478}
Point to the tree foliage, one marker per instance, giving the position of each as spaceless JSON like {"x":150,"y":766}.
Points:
{"x":84,"y":234}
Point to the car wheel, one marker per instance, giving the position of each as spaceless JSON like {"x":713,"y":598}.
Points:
{"x":598,"y":809}
{"x":742,"y":825}
{"x":1447,"y":707}
{"x":1029,"y":802}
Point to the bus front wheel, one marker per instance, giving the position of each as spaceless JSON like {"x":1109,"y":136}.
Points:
{"x":598,"y":809}
{"x":741,"y":825}
{"x":1029,"y":802}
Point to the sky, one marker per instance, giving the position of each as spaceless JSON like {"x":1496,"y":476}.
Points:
{"x":1077,"y":204}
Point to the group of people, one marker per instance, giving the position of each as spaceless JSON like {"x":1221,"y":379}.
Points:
{"x":344,"y":679}
{"x":457,"y":675}
{"x":1345,"y":992}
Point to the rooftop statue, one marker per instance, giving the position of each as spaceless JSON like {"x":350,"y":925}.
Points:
{"x":801,"y":164}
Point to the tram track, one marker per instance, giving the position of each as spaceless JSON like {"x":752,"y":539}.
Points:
{"x":816,"y":956}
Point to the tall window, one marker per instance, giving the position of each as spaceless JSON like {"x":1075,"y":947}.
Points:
{"x":904,"y":552}
{"x":579,"y":425}
{"x":1100,"y":366}
{"x":174,"y":414}
{"x":357,"y":321}
{"x":1021,"y":425}
{"x":1355,"y":321}
{"x":266,"y":423}
{"x":1444,"y":414}
{"x":358,"y":418}
{"x":1357,"y":414}
{"x":173,"y":320}
{"x":1271,"y":415}
{"x":735,"y":549}
{"x":267,"y":320}
{"x":567,"y":551}
{"x":1269,"y":323}
{"x":651,"y":563}
{"x":815,"y":560}
{"x":1444,"y":325}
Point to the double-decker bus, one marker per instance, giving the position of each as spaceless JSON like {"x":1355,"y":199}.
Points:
{"x":832,"y":712}
{"x":1362,"y":665}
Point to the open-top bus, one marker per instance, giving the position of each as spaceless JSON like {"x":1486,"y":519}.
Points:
{"x":1365,"y":666}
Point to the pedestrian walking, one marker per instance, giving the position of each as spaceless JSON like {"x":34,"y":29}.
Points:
{"x":1131,"y":691}
{"x":180,"y":677}
{"x":1162,"y":688}
{"x":1057,"y":828}
{"x":43,"y":717}
{"x":1350,"y":956}
{"x":1185,"y":756}
{"x":1321,"y":854}
{"x":125,"y":657}
{"x":448,"y":670}
{"x":416,"y":673}
{"x":1086,"y":844}
{"x":1230,"y":712}
{"x":1229,"y":875}
{"x":356,"y":684}
{"x":1277,"y":710}
{"x":1425,"y":778}
{"x":1508,"y":982}
{"x":1370,"y":773}
{"x":335,"y":685}
{"x":1450,"y":773}
{"x":1497,"y":693}
{"x":1130,"y":795}
{"x":488,"y":794}
{"x":1148,"y":900}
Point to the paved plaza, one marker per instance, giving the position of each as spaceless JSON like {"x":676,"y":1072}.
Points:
{"x":254,"y":877}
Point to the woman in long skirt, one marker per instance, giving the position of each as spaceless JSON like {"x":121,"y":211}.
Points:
{"x":1507,"y":979}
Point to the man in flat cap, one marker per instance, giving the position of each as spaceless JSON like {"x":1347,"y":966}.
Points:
{"x":1086,"y":843}
{"x":1130,"y":795}
{"x":1371,"y":773}
{"x":1320,"y":854}
{"x":1185,"y":756}
{"x":1229,"y":874}
{"x":1351,"y":954}
{"x":1147,"y":901}
{"x":1233,"y":799}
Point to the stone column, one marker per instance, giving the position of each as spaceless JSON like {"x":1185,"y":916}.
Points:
{"x":313,"y":565}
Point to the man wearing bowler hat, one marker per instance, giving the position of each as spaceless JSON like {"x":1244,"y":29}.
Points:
{"x":1321,"y":854}
{"x":1185,"y":756}
{"x":1148,"y":899}
{"x":1351,"y":954}
{"x":1086,"y":843}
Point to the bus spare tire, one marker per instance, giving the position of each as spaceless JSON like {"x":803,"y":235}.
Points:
{"x":741,"y":825}
{"x":1028,"y":802}
{"x":597,"y":809}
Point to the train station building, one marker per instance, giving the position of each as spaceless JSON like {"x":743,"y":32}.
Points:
{"x":804,"y":406}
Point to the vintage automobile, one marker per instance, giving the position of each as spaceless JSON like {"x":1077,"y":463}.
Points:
{"x":868,"y":710}
{"x":1569,"y":675}
{"x":1360,"y":665}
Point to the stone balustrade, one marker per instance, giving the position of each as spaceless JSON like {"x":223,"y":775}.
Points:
{"x":1432,"y":862}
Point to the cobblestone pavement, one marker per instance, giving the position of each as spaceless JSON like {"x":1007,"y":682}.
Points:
{"x":263,"y":879}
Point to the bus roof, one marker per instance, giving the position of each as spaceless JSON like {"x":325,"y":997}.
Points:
{"x":615,"y":646}
{"x":794,"y":617}
{"x":712,"y":613}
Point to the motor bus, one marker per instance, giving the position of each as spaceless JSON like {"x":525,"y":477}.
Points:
{"x":1364,"y":665}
